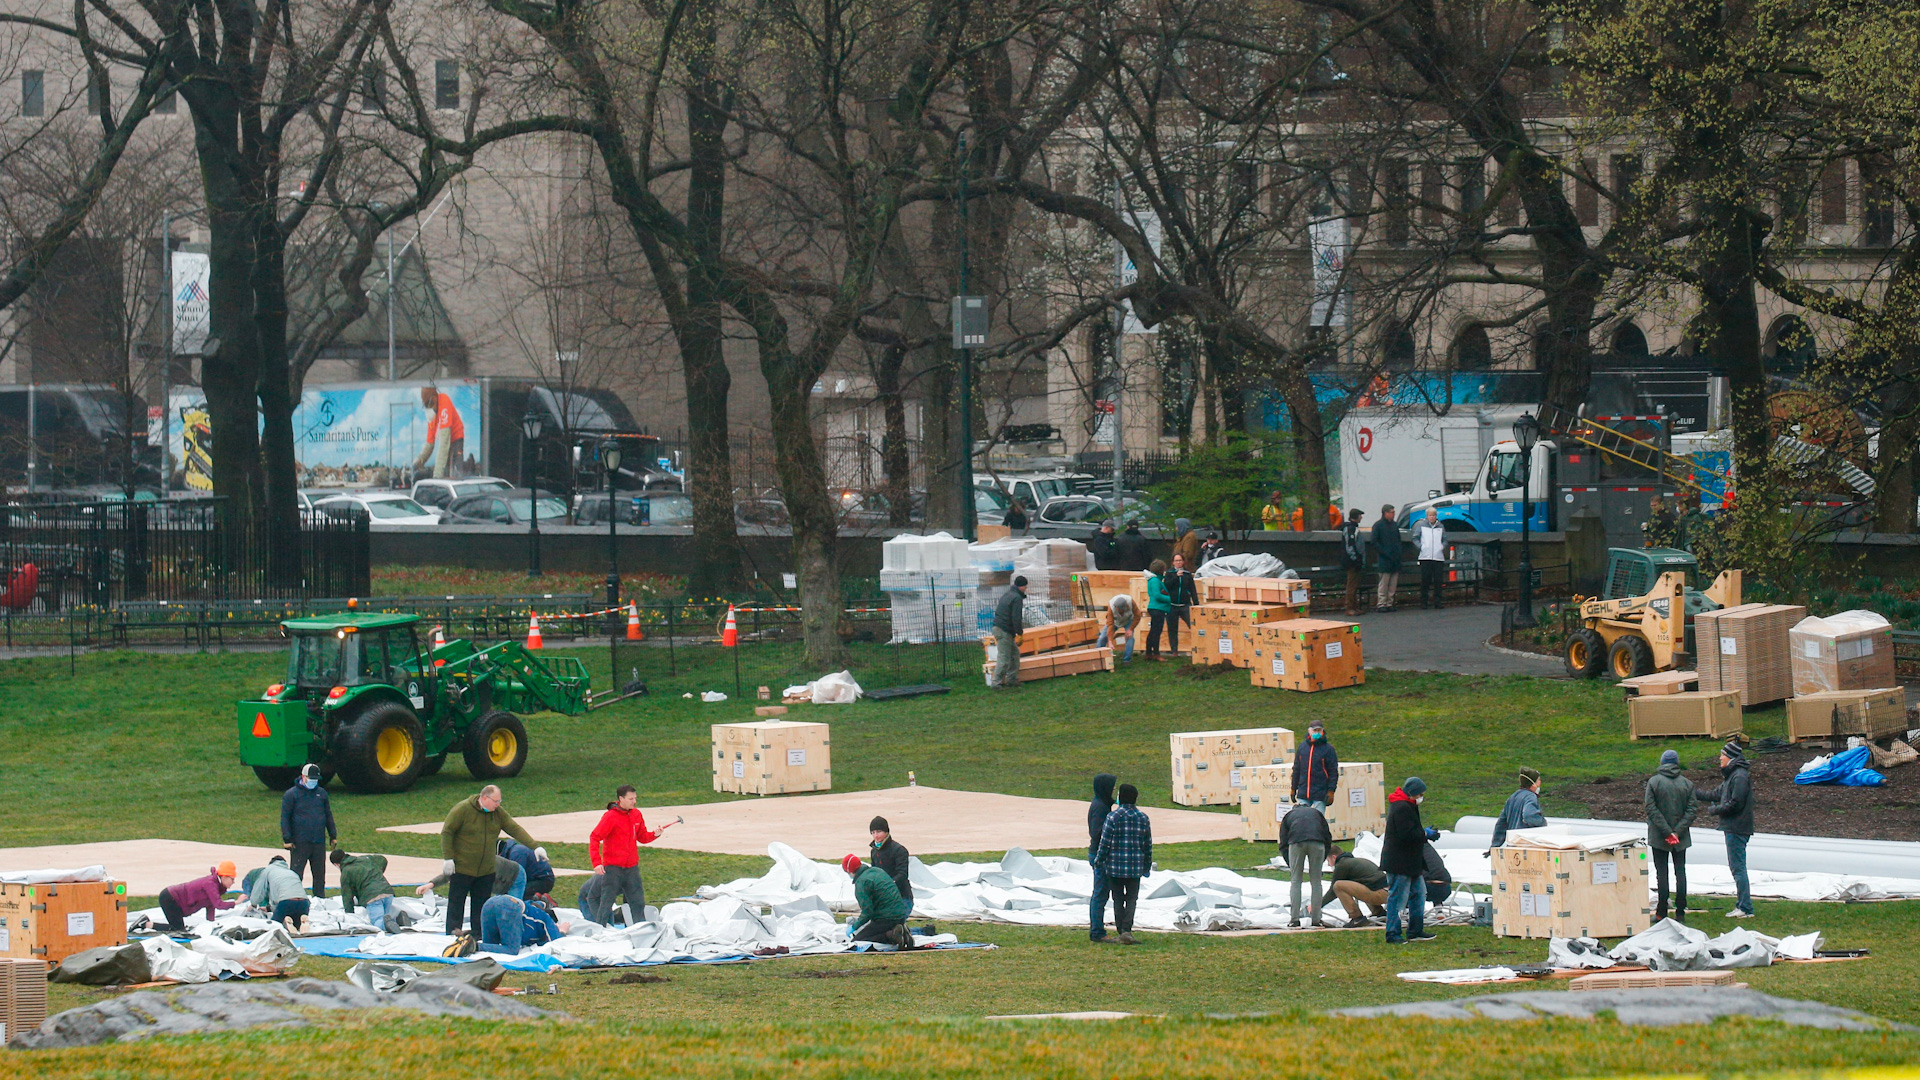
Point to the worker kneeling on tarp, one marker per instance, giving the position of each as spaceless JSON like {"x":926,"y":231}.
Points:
{"x":508,"y":924}
{"x":883,"y":914}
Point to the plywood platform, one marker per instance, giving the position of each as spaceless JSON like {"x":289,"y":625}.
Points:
{"x":928,"y":820}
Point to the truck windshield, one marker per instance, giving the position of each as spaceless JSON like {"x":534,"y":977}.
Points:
{"x":1504,"y":472}
{"x":315,"y":660}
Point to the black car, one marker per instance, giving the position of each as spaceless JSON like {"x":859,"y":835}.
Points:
{"x":637,"y":508}
{"x":514,"y":506}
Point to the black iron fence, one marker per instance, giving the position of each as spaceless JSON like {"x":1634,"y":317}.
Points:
{"x":57,"y":556}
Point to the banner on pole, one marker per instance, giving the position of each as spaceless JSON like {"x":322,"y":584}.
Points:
{"x":192,"y":274}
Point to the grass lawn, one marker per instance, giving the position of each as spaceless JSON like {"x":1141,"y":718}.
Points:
{"x":141,"y":745}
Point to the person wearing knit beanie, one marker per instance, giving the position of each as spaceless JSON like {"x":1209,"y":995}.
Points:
{"x":891,"y":856}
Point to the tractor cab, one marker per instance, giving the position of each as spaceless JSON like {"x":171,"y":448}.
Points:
{"x":1634,"y":571}
{"x":334,"y":651}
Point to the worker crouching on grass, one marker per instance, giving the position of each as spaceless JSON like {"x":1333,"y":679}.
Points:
{"x":277,"y":890}
{"x":363,"y":882}
{"x":509,"y":924}
{"x":468,"y":840}
{"x":883,"y":913}
{"x":201,"y":894}
{"x":1125,"y":855}
{"x":1356,"y":881}
{"x":1402,"y":857}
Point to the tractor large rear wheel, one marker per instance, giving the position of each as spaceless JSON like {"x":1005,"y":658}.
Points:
{"x":277,"y":777}
{"x":496,"y":746}
{"x":1586,"y":653}
{"x":382,"y":750}
{"x":1630,"y":657}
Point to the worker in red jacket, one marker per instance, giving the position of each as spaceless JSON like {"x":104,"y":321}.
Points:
{"x":614,"y":849}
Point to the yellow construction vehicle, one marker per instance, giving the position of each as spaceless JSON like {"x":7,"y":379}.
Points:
{"x":1639,"y":624}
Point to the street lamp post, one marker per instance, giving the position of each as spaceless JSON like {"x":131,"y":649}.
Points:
{"x":1526,"y":433}
{"x":610,"y":461}
{"x":530,"y":426}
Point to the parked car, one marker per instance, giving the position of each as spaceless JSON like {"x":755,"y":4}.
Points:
{"x":439,"y":494}
{"x":384,"y":509}
{"x":760,"y":513}
{"x":512,"y":506}
{"x":636,"y":508}
{"x":1080,"y":516}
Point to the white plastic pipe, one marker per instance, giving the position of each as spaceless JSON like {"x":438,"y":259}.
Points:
{"x":1774,"y":852}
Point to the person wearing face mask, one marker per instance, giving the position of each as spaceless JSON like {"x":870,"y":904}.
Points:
{"x":306,"y":826}
{"x":469,"y":840}
{"x":1522,"y":810}
{"x":890,"y":855}
{"x":1316,"y":769}
{"x":1402,"y":857}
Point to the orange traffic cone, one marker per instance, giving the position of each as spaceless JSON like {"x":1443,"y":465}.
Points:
{"x":533,"y":630}
{"x":633,"y":622}
{"x":730,"y":637}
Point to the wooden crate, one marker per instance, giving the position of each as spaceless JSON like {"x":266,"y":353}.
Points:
{"x":1359,"y":801}
{"x":1211,"y":768}
{"x":1054,"y":665}
{"x":1661,"y":682}
{"x":23,"y":997}
{"x":1290,"y":592}
{"x":772,"y":757}
{"x":1060,"y":635}
{"x":1712,"y":715}
{"x":1836,"y":714}
{"x":52,"y":920}
{"x":1307,"y":655}
{"x":1093,"y":588}
{"x":1556,"y":892}
{"x":1223,"y":633}
{"x":1642,"y":980}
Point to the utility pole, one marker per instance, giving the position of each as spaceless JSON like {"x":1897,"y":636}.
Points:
{"x":392,"y":365}
{"x":1119,"y":367}
{"x":963,"y":341}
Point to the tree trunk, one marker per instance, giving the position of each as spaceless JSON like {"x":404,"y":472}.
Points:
{"x":1309,"y":443}
{"x":230,"y":376}
{"x":1893,"y":498}
{"x":281,"y":521}
{"x":811,"y":514}
{"x":1733,"y":315}
{"x":894,"y":459}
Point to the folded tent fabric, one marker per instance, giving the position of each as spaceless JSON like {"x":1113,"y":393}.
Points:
{"x":1848,"y":768}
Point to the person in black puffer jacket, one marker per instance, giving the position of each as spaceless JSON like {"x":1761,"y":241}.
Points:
{"x":1733,"y":805}
{"x":1097,"y":812}
{"x":1403,"y":859}
{"x":890,"y":855}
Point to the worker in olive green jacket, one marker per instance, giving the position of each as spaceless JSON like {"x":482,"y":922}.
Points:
{"x":363,"y":881}
{"x":883,"y":913}
{"x":469,"y":844}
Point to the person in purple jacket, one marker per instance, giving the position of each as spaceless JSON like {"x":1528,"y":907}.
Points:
{"x":201,"y":894}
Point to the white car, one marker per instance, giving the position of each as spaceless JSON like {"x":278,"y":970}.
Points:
{"x":384,"y":509}
{"x":439,"y":494}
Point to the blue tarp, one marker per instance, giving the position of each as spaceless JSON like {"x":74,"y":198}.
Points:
{"x":1848,"y":768}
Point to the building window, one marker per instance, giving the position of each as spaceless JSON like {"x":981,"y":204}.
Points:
{"x":1789,"y":344}
{"x":1833,"y":194}
{"x":1473,"y":184}
{"x":1393,"y":192}
{"x":1626,"y":175}
{"x":1433,"y":199}
{"x":1586,"y":201}
{"x":1473,"y":350}
{"x":1398,"y":348}
{"x":1629,"y":342}
{"x":33,"y":93}
{"x":446,"y":84}
{"x":1876,"y":220}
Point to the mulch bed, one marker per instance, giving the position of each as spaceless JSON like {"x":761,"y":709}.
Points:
{"x":1780,"y":805}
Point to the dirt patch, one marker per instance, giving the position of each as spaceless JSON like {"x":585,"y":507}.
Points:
{"x":1779,"y":804}
{"x":634,"y":978}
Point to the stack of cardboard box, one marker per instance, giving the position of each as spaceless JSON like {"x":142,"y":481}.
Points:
{"x":1849,"y":651}
{"x":1211,"y":768}
{"x":1745,"y":649}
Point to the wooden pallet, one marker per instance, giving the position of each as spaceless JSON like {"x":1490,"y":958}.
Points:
{"x":1645,"y":980}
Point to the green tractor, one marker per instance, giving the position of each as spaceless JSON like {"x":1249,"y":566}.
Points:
{"x":365,"y":702}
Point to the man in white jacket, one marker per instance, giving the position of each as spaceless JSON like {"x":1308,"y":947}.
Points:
{"x":1431,"y":538}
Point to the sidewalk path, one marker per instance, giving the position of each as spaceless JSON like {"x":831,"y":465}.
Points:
{"x":1449,"y":639}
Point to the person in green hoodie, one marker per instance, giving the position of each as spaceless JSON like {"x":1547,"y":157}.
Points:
{"x":363,"y":882}
{"x":1670,"y":812}
{"x":883,"y":914}
{"x":469,"y":846}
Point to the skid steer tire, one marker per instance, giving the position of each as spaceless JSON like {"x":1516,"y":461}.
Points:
{"x":381,"y":750}
{"x":277,"y":777}
{"x":1630,"y":658}
{"x":1586,"y":654}
{"x":496,"y":746}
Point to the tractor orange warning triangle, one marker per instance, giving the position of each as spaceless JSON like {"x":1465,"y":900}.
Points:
{"x":261,"y":729}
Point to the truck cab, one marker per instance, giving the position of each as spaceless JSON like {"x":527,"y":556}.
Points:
{"x":1494,"y":502}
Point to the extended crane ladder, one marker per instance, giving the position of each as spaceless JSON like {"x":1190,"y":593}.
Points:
{"x":1681,"y":471}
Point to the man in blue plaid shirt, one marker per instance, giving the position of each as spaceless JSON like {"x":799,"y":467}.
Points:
{"x":1125,"y":855}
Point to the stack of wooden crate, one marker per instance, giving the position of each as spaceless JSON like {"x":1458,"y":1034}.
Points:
{"x":1359,"y":802}
{"x":1092,"y":589}
{"x":23,"y":997}
{"x":1834,"y":715}
{"x":1055,"y":650}
{"x":772,"y":757}
{"x":1223,"y":632}
{"x":1292,"y":592}
{"x":1745,"y":649}
{"x":1307,"y":654}
{"x":1212,"y":768}
{"x":1661,"y":682}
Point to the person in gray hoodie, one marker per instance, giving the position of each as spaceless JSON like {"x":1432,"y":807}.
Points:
{"x":1522,"y":810}
{"x":276,"y":889}
{"x":1733,"y":805}
{"x":1097,"y":812}
{"x":1670,"y":811}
